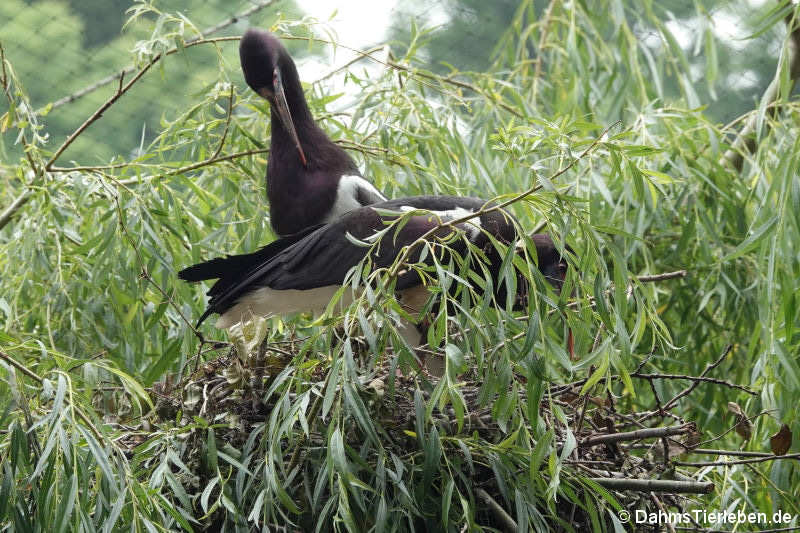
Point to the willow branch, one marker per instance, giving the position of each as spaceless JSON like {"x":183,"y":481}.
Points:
{"x":366,"y":54}
{"x":32,"y":375}
{"x":22,"y":199}
{"x":348,"y":145}
{"x":738,"y":453}
{"x":489,"y":207}
{"x":146,"y":275}
{"x":121,"y":90}
{"x":131,"y":68}
{"x":537,"y":72}
{"x":709,"y":367}
{"x":227,"y":125}
{"x":8,"y":213}
{"x":701,"y":379}
{"x":661,"y":277}
{"x":20,"y":367}
{"x":746,"y":142}
{"x":733,"y":427}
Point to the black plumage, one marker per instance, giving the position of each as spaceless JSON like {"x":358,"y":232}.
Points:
{"x":321,"y":257}
{"x":305,"y":168}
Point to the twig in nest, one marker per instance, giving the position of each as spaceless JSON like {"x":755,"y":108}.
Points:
{"x":655,"y":485}
{"x":638,"y":435}
{"x":670,"y":404}
{"x":739,"y":461}
{"x":508,"y":523}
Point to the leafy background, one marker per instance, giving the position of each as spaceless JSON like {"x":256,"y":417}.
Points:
{"x":96,"y":325}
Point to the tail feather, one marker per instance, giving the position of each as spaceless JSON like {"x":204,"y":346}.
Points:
{"x":230,"y":270}
{"x":213,"y":269}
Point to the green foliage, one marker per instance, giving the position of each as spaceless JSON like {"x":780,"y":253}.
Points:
{"x":93,"y":313}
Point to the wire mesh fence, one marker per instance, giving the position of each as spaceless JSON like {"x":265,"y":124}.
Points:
{"x":69,"y":55}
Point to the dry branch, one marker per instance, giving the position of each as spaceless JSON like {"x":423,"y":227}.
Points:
{"x":701,"y":379}
{"x":655,"y":485}
{"x":497,"y":510}
{"x":739,"y":461}
{"x":709,"y":367}
{"x":639,"y":434}
{"x":740,"y":453}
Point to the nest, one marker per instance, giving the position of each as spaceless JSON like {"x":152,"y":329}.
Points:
{"x":624,"y":452}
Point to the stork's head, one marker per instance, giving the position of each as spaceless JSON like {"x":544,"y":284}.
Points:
{"x":266,"y":64}
{"x":551,"y":263}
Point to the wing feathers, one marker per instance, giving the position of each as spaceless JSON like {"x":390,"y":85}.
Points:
{"x":322,"y":256}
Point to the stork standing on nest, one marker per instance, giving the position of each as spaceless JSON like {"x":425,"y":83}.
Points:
{"x":310,"y":179}
{"x":320,"y":204}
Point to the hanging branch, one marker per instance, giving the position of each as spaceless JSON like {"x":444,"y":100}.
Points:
{"x":746,"y":141}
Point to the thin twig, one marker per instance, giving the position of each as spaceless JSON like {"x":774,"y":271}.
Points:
{"x":132,"y":68}
{"x":739,"y":461}
{"x":662,"y":509}
{"x":537,"y":71}
{"x":22,"y":199}
{"x":312,"y":415}
{"x":739,"y":453}
{"x":146,"y":275}
{"x":490,"y":207}
{"x":732,"y":428}
{"x":228,"y":116}
{"x":174,"y":171}
{"x":19,"y":366}
{"x":366,"y":54}
{"x":29,"y":373}
{"x":709,"y":367}
{"x":25,"y":196}
{"x":661,"y":277}
{"x":701,"y":379}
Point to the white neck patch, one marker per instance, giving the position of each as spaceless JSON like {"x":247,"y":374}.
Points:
{"x":348,"y":191}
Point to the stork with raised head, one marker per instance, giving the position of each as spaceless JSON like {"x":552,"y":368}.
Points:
{"x":302,"y":272}
{"x":310,"y":179}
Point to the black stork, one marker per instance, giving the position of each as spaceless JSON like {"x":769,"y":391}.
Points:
{"x":302,"y":272}
{"x":310,"y":179}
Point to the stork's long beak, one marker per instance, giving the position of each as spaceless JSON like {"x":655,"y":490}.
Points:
{"x":283,"y":112}
{"x":570,"y":336}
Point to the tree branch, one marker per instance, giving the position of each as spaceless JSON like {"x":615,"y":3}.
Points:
{"x":709,"y":367}
{"x":655,"y":485}
{"x":502,"y":516}
{"x":639,"y":434}
{"x":739,"y":461}
{"x":746,"y":141}
{"x":131,"y":68}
